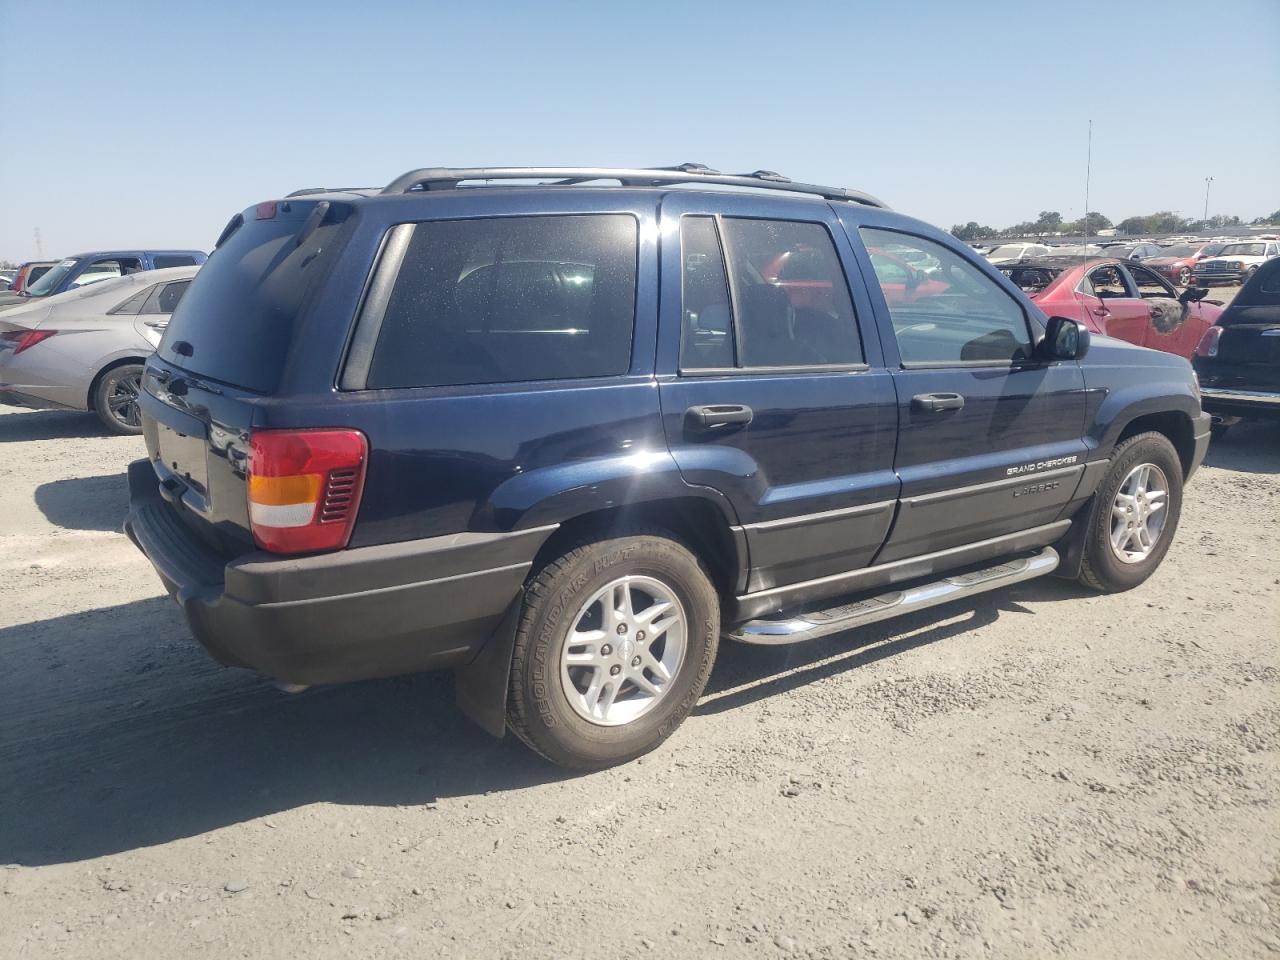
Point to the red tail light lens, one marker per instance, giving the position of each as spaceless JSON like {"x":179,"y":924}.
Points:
{"x":1208,"y":346}
{"x":25,"y":339}
{"x":305,"y":487}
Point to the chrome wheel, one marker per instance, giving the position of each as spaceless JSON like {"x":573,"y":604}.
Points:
{"x":1138,"y":513}
{"x":122,"y":402}
{"x":1184,"y":277}
{"x":624,"y":648}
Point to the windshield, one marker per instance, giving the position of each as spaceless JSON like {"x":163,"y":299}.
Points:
{"x":1243,"y":249}
{"x":1178,"y":250}
{"x":1008,"y":250}
{"x":1211,"y":249}
{"x":49,"y":282}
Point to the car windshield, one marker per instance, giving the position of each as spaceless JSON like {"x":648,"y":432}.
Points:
{"x":1211,"y":249}
{"x":1178,"y":250}
{"x":1243,"y":249}
{"x":49,"y":282}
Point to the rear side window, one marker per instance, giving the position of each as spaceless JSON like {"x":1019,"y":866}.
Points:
{"x":510,"y":299}
{"x":164,"y":297}
{"x":237,"y":318}
{"x":790,"y":304}
{"x":945,"y":310}
{"x":162,"y":260}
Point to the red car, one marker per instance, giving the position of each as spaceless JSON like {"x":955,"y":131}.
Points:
{"x":29,"y":273}
{"x":1121,"y":299}
{"x":1178,"y":261}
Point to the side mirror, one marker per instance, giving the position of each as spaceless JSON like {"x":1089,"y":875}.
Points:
{"x":1066,"y":339}
{"x":1193,"y":294}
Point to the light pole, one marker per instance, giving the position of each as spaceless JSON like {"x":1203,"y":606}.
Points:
{"x":1207,"y":181}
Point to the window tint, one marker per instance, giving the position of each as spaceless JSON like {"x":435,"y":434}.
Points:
{"x":706,"y":338}
{"x":165,"y":296}
{"x":790,"y":292}
{"x":510,"y":299}
{"x":161,"y":261}
{"x":955,"y":313}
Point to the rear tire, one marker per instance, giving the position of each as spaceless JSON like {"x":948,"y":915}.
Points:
{"x":115,"y":399}
{"x":558,"y":688}
{"x":1111,"y":568}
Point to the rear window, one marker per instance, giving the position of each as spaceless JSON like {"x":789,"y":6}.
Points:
{"x":510,"y":299}
{"x":236,"y":320}
{"x":175,"y":260}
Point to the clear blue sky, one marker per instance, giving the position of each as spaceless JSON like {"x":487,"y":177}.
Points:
{"x":131,"y":123}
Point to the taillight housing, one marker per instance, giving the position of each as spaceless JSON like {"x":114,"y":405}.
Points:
{"x":1208,"y":346}
{"x":304,"y":488}
{"x":25,"y":339}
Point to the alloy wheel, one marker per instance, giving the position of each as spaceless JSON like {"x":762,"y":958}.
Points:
{"x":623,"y":651}
{"x":123,"y":400}
{"x":1138,"y":513}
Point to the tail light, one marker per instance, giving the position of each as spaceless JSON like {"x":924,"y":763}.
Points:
{"x":1208,"y":346}
{"x":305,"y":487}
{"x":25,"y":339}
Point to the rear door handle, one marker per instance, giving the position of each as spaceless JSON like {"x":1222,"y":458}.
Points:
{"x":937,"y":402}
{"x":711,"y":415}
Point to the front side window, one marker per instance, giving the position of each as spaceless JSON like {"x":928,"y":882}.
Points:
{"x":510,"y":299}
{"x":1149,"y":285}
{"x":955,"y":313}
{"x":783,"y":300}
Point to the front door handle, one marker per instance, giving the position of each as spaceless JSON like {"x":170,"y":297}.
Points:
{"x":708,"y":416}
{"x":937,"y":402}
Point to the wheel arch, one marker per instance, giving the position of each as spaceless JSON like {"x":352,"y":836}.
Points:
{"x":1173,"y":424}
{"x":104,"y":370}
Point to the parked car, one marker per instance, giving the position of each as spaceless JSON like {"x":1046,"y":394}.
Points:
{"x":1238,"y":360}
{"x":87,"y":268}
{"x":1118,"y":298}
{"x":1009,"y":252}
{"x":1132,"y":251}
{"x":84,"y":349}
{"x":1236,"y":262}
{"x":28,"y":273}
{"x":1178,"y":261}
{"x":482,"y":429}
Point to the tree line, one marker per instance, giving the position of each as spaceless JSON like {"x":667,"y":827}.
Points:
{"x":1050,"y":222}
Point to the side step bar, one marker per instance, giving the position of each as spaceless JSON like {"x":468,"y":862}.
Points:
{"x":821,"y":623}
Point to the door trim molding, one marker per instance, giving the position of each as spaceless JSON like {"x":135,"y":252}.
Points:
{"x":823,"y":516}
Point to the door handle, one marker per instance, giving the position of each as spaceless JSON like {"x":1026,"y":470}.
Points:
{"x":937,"y":402}
{"x":1101,"y":312}
{"x":711,"y":415}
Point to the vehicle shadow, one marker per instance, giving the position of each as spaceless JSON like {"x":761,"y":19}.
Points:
{"x":85,"y":503}
{"x":745,"y":673}
{"x":18,"y":424}
{"x":1248,"y":447}
{"x":117,"y":732}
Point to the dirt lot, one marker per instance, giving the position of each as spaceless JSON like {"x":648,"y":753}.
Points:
{"x":1043,"y":772}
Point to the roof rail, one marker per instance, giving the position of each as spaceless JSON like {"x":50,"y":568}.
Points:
{"x":308,"y":191}
{"x":448,"y":178}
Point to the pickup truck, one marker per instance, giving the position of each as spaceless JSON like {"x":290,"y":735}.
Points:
{"x":561,"y":430}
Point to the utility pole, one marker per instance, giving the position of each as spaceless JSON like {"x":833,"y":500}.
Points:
{"x":39,"y":246}
{"x":1088,"y":167}
{"x":1207,"y":181}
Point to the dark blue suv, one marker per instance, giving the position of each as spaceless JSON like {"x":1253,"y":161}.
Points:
{"x":561,"y":429}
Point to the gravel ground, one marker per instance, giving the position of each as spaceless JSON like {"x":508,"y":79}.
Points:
{"x":1042,"y":771}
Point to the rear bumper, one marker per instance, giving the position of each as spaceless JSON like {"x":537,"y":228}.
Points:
{"x":327,"y":618}
{"x":1238,"y":402}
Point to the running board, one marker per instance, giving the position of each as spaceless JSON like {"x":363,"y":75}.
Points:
{"x":820,"y":623}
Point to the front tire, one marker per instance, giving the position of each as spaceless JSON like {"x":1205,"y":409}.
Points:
{"x":615,"y":644}
{"x":1184,"y":277}
{"x":115,"y":399}
{"x":1135,"y":516}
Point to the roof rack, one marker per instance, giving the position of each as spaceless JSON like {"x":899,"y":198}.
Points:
{"x":448,"y":178}
{"x":308,"y":191}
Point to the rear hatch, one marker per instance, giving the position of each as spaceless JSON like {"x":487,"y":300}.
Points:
{"x":223,"y":354}
{"x":1249,"y":356}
